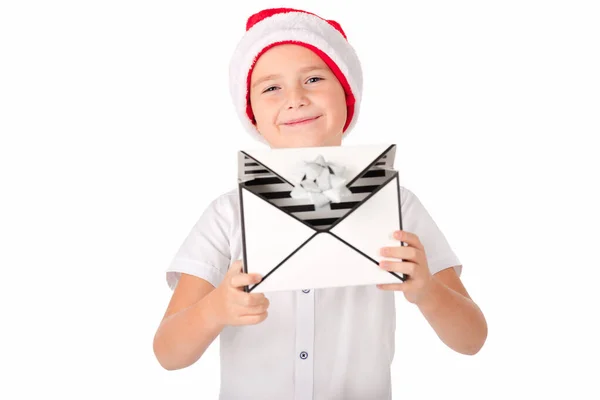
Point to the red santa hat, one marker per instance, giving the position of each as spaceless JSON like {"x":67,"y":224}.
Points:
{"x":275,"y":26}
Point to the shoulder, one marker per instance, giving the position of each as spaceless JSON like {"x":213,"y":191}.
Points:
{"x":221,"y":214}
{"x":224,"y":204}
{"x":417,"y":219}
{"x":408,"y":198}
{"x":405,"y":192}
{"x":412,"y":208}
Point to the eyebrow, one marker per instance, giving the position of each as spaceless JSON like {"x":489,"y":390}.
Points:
{"x":275,"y":76}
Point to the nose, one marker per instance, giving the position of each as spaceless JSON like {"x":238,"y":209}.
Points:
{"x":296,"y":98}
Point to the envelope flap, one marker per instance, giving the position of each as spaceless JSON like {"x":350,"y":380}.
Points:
{"x":356,"y":159}
{"x":269,"y":234}
{"x":369,"y":226}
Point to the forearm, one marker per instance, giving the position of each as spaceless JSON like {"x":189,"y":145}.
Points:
{"x":183,"y":337}
{"x":456,"y":319}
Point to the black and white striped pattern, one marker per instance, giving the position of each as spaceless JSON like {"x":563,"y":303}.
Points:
{"x":277,"y":191}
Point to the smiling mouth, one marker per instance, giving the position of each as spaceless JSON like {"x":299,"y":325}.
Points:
{"x":301,"y":121}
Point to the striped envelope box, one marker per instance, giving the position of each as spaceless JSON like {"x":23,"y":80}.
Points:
{"x":295,"y":245}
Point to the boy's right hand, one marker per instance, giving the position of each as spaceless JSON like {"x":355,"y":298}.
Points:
{"x":234,"y":305}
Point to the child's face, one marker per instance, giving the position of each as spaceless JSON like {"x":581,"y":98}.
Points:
{"x":296,"y":100}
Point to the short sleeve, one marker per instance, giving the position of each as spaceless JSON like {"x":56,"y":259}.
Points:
{"x":205,"y":252}
{"x":417,"y":220}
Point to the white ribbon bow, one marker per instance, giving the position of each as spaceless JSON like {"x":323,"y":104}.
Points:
{"x":320,"y":182}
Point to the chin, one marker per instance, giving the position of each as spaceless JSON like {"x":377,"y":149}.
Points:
{"x":309,"y":142}
{"x":309,"y":139}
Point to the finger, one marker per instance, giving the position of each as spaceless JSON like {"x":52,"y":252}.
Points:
{"x":409,"y":238}
{"x":255,"y":310}
{"x":405,"y":267}
{"x":253,"y":319}
{"x":235,"y":268}
{"x":249,"y":299}
{"x":403,"y":253}
{"x":240,"y":280}
{"x":392,"y":286}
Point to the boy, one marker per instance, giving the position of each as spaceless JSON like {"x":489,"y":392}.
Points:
{"x":296,"y":82}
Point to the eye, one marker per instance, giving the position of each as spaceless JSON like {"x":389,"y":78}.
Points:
{"x":314,"y":79}
{"x":270,"y":89}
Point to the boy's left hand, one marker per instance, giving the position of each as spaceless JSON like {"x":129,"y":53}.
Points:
{"x":414,"y":265}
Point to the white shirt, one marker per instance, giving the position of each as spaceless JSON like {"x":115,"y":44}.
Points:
{"x":323,"y":344}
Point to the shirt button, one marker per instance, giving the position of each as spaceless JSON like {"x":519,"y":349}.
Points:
{"x":304,"y":355}
{"x":305,"y":290}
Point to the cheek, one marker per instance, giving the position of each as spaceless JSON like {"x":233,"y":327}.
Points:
{"x":338,"y":110}
{"x":265,"y":113}
{"x":265,"y":110}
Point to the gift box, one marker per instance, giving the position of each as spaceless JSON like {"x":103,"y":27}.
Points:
{"x":317,"y":217}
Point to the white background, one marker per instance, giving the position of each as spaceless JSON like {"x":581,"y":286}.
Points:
{"x":117,"y":131}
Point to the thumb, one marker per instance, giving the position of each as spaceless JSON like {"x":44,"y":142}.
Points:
{"x":236,"y":268}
